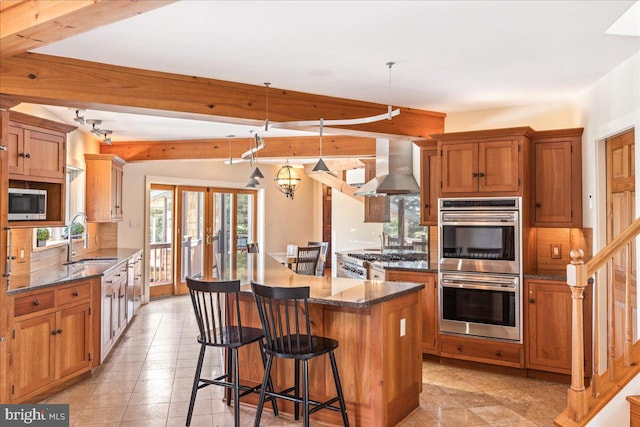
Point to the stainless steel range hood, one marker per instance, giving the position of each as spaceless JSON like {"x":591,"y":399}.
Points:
{"x":394,"y":170}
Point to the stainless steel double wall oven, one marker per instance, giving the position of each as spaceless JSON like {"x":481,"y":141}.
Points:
{"x":480,"y":268}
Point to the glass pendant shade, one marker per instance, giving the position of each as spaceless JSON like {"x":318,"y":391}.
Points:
{"x":256,"y":173}
{"x":287,"y":180}
{"x":321,"y":166}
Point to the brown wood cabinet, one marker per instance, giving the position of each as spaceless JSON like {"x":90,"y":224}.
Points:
{"x":104,"y":187}
{"x":482,"y":350}
{"x":429,"y":181}
{"x":557,"y":166}
{"x":483,"y":163}
{"x":376,"y":209}
{"x":51,"y":339}
{"x":429,"y":304}
{"x":548,"y":326}
{"x":36,"y":158}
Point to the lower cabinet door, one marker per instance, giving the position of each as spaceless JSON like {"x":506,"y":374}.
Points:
{"x":33,"y":354}
{"x":73,"y":340}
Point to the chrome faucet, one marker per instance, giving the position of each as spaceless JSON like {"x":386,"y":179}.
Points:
{"x":70,"y":235}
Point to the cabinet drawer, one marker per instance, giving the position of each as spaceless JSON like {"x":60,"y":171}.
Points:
{"x":32,"y":303}
{"x":73,"y":293}
{"x":481,"y":350}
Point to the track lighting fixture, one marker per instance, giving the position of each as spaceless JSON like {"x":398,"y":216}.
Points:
{"x":266,"y":119}
{"x":94,"y":129}
{"x":107,"y":138}
{"x":79,"y":119}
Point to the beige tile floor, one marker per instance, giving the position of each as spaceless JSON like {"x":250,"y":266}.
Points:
{"x":147,"y":382}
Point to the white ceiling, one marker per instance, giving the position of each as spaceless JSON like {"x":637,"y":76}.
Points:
{"x":450,"y":56}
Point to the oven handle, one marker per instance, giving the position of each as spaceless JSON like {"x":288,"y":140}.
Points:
{"x":470,"y":285}
{"x":484,"y":218}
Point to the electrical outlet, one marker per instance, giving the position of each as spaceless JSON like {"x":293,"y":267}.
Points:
{"x":555,"y":251}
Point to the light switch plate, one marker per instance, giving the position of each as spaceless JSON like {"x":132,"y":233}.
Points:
{"x":403,"y":327}
{"x":555,"y":251}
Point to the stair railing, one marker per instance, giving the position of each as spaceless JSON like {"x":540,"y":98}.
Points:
{"x":583,"y":403}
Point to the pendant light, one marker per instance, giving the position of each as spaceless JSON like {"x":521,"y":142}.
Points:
{"x":389,"y":107}
{"x":257,"y":173}
{"x":321,"y":166}
{"x":288,"y":180}
{"x":230,"y":161}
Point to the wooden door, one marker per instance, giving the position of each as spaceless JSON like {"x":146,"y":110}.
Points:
{"x":46,"y":153}
{"x":33,"y":354}
{"x":620,"y":158}
{"x":73,"y":343}
{"x":14,"y":142}
{"x":4,"y":301}
{"x":458,"y":168}
{"x":429,"y":186}
{"x":116,"y":192}
{"x":498,"y":166}
{"x":553,"y":189}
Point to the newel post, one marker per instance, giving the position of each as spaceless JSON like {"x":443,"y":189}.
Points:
{"x":577,"y":397}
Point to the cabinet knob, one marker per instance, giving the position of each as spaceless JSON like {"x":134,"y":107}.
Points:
{"x":475,"y":175}
{"x":481,"y":174}
{"x":74,"y":293}
{"x":54,"y":332}
{"x":59,"y":331}
{"x":459,"y":348}
{"x":532,"y":300}
{"x":36,"y":302}
{"x":538,"y":205}
{"x":426,"y":206}
{"x":499,"y":353}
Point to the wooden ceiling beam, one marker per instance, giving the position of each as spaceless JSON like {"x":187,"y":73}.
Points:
{"x":30,"y":24}
{"x":275,"y":147}
{"x":52,"y":80}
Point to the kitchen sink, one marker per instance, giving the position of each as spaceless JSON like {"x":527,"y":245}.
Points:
{"x":105,"y":260}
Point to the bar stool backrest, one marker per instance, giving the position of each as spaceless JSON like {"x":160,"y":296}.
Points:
{"x":284,"y":315}
{"x":213,"y":308}
{"x":253,"y":248}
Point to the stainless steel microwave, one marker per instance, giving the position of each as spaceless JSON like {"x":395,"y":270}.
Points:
{"x":26,"y":204}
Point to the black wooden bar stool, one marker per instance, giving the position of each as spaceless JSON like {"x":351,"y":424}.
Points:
{"x":284,"y":314}
{"x":213,"y":310}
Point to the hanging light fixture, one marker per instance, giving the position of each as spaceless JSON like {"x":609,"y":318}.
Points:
{"x":252,"y":183}
{"x":257,"y":173}
{"x":106,"y":133}
{"x":288,"y":180}
{"x":321,"y":166}
{"x":389,"y":107}
{"x":95,"y":130}
{"x":230,"y":161}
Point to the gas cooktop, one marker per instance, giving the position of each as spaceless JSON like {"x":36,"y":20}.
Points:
{"x":390,"y":257}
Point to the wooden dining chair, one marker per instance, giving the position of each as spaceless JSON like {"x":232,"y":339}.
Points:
{"x":307,"y":260}
{"x":322,"y":259}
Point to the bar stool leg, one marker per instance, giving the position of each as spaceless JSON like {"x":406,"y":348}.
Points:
{"x":336,"y":378}
{"x":236,"y":389}
{"x":196,"y":381}
{"x":263,"y":389}
{"x":305,"y":393}
{"x":270,"y":383}
{"x":296,"y":390}
{"x":227,"y":392}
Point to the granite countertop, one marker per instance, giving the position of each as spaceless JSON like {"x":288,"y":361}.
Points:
{"x":425,"y":266}
{"x":61,"y":274}
{"x":264,"y":269}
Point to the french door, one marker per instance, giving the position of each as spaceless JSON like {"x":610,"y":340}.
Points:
{"x":214,"y":226}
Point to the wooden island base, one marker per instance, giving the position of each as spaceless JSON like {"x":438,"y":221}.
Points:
{"x":380,"y":370}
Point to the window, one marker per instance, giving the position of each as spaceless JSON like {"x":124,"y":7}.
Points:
{"x":404,"y":228}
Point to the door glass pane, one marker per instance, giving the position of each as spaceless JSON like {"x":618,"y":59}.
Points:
{"x":192,"y":234}
{"x":244,"y":228}
{"x":160,"y":231}
{"x":223,"y":248}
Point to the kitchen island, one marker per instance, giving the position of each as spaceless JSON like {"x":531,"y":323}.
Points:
{"x":378,"y":326}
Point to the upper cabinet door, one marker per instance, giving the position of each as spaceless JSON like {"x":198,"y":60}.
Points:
{"x":429,"y":186}
{"x":458,"y":168}
{"x":557,"y":173}
{"x":498,"y":169}
{"x":35,"y":153}
{"x":15,"y":150}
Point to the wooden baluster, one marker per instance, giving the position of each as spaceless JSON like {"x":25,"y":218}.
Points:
{"x":627,"y":308}
{"x":611,"y":321}
{"x":577,"y":397}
